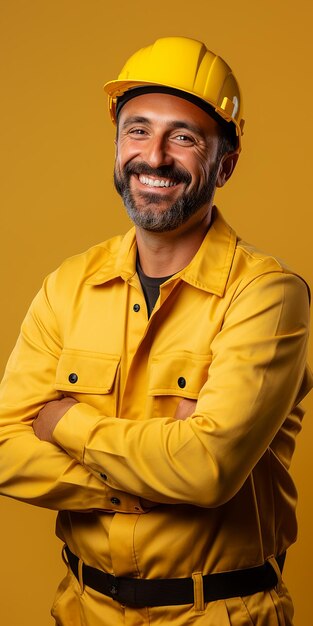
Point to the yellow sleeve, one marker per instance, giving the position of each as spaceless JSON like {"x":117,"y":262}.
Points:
{"x":31,"y":470}
{"x":258,"y":374}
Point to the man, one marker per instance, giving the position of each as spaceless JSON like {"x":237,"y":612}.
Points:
{"x":180,"y":511}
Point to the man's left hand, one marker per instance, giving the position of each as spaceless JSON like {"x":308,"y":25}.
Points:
{"x":49,"y":416}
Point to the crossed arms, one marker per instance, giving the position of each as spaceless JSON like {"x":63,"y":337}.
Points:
{"x":200,"y":456}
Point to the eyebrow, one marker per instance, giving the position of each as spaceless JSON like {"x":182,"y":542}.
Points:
{"x":139,"y":119}
{"x":136,"y":119}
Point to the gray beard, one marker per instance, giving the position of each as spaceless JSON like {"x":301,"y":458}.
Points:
{"x":177,"y":214}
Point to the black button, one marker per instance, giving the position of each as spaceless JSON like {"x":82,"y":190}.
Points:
{"x":104,"y":476}
{"x":136,"y":308}
{"x":115,"y":501}
{"x":113,"y":590}
{"x":73,"y":378}
{"x":181,"y":382}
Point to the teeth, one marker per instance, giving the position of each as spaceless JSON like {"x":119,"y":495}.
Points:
{"x":155,"y":182}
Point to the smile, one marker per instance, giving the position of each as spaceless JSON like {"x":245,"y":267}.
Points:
{"x":156,"y":182}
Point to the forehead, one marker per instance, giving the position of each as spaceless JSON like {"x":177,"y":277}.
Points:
{"x":168,"y":110}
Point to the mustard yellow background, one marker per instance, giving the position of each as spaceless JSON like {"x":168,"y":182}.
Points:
{"x":57,"y":195}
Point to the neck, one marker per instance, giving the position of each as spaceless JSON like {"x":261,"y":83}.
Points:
{"x":164,"y":254}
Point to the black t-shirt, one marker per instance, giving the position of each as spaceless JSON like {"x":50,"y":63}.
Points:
{"x":150,"y":287}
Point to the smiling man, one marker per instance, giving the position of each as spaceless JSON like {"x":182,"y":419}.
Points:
{"x":153,"y":397}
{"x":165,"y":162}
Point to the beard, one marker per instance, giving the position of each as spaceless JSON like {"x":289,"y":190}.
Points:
{"x":145,"y":214}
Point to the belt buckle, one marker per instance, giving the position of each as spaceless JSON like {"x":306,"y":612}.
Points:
{"x":114,"y":588}
{"x":124,"y":591}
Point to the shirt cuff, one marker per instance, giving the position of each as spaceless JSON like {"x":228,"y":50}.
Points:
{"x":71,"y":434}
{"x":72,"y":431}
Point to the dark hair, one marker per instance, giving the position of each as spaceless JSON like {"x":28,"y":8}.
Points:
{"x":228,"y":141}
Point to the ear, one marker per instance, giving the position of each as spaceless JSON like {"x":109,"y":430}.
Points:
{"x":227,"y":166}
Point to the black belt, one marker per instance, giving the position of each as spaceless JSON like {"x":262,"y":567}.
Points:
{"x":139,"y":592}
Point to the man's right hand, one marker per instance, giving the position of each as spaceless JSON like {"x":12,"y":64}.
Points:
{"x":49,"y":416}
{"x":185,"y":408}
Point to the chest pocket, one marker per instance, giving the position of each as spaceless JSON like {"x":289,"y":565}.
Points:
{"x":90,"y":377}
{"x":175,"y":376}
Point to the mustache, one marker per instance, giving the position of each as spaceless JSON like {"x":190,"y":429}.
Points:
{"x":176,"y":174}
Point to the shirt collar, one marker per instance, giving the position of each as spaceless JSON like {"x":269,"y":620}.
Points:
{"x":208,"y":270}
{"x":120,"y":262}
{"x":210,"y":267}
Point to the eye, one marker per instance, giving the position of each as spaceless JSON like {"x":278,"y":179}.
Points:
{"x":137,"y":132}
{"x":186,"y":140}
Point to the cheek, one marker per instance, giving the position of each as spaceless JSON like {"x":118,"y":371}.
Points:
{"x":209,"y":169}
{"x":121,"y":159}
{"x":126,"y":150}
{"x":117,"y":166}
{"x":199,"y":166}
{"x":202,"y":172}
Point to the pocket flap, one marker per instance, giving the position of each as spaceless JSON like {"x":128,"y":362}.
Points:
{"x":86,"y":372}
{"x":180,"y":374}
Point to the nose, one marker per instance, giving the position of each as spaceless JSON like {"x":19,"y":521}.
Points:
{"x":156,"y":152}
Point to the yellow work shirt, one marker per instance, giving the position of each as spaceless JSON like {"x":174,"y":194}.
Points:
{"x":230,"y":331}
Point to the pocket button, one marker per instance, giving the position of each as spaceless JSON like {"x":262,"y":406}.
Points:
{"x":73,"y":378}
{"x":115,"y":501}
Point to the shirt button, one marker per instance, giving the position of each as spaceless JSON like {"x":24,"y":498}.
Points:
{"x":104,"y":476}
{"x":136,"y":308}
{"x":115,"y":501}
{"x":181,"y":382}
{"x":73,"y":378}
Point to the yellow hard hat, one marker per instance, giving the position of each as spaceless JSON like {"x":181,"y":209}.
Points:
{"x":186,"y":65}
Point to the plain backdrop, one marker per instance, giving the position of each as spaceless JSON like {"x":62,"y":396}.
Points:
{"x":57,"y":195}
